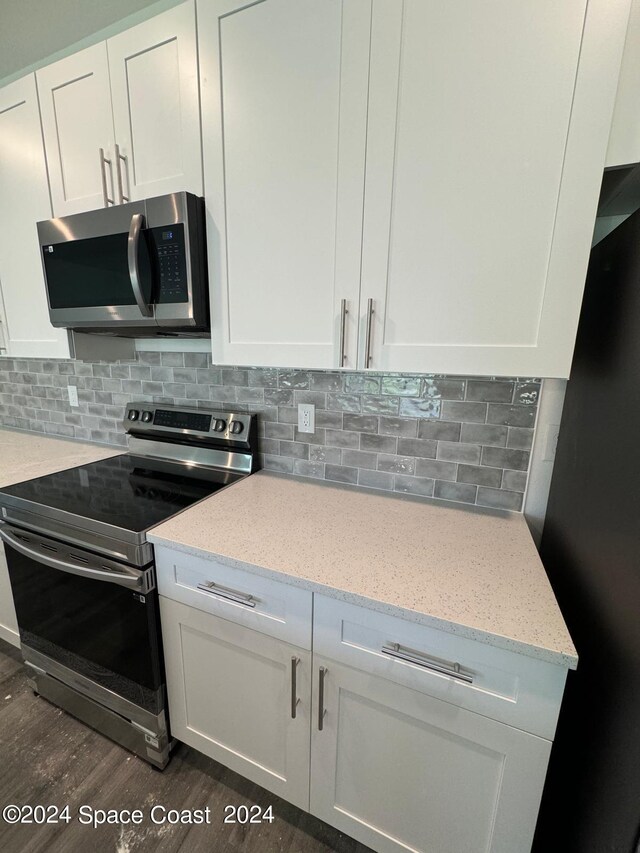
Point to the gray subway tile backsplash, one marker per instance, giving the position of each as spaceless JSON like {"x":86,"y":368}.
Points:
{"x":458,"y":438}
{"x":522,"y":415}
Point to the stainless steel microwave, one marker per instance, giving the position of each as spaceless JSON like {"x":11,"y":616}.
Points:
{"x":136,"y":269}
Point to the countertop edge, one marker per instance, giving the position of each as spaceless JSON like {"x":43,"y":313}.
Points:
{"x":558,"y":658}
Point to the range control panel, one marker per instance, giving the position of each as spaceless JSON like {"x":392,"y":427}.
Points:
{"x":152,"y":418}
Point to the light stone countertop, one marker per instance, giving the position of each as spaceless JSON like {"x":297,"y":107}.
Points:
{"x":25,"y":455}
{"x":467,"y":571}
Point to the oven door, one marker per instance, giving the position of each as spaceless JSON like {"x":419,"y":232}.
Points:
{"x":97,"y":268}
{"x":88,"y":616}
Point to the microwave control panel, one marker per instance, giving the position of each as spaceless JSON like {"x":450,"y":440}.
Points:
{"x":171,"y":258}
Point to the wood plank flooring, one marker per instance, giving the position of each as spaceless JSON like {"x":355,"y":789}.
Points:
{"x":48,"y":757}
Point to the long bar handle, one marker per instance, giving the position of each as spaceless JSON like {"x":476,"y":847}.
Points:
{"x":137,"y":224}
{"x":294,"y":688}
{"x":454,"y":670}
{"x":118,"y":158}
{"x":343,"y":332}
{"x":130,"y":581}
{"x":103,"y":173}
{"x":228,"y":594}
{"x":367,"y":344}
{"x":321,"y":709}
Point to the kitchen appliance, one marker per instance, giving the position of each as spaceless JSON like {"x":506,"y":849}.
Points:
{"x":591,"y":550}
{"x":82,"y":570}
{"x":136,"y":270}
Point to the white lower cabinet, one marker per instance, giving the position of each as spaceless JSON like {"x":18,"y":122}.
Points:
{"x":233,"y":695}
{"x":386,"y":731}
{"x":400,"y":770}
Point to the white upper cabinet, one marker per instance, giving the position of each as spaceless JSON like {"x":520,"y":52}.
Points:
{"x":154,"y":87}
{"x":624,"y":141}
{"x":24,"y":199}
{"x":481,"y":180}
{"x":121,"y":119}
{"x":284,"y":97}
{"x":75,"y":104}
{"x":435,"y":163}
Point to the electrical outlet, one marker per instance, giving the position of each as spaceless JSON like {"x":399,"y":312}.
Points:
{"x":551,"y":443}
{"x":73,"y":395}
{"x":306,"y":417}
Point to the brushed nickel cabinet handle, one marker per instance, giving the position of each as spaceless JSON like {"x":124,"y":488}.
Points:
{"x":294,"y":689}
{"x":321,"y":709}
{"x":118,"y":158}
{"x":226,"y":593}
{"x":103,"y":174}
{"x":367,"y":345}
{"x":444,"y":667}
{"x":343,"y":332}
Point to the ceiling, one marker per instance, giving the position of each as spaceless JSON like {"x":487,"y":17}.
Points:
{"x":31,"y":30}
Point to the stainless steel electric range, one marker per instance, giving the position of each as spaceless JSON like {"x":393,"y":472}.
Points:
{"x":82,"y":571}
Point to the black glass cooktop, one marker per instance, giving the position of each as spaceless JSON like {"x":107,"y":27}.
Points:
{"x":119,"y":492}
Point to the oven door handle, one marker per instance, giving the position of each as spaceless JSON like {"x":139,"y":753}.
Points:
{"x":133,"y":241}
{"x":131,"y":581}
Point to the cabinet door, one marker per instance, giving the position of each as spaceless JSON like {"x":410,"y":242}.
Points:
{"x":480,"y":196}
{"x":8,"y":619}
{"x":24,"y":199}
{"x":75,"y":103}
{"x":624,"y":139}
{"x":400,"y":771}
{"x":284,"y":94}
{"x":230,"y":696}
{"x":154,"y":88}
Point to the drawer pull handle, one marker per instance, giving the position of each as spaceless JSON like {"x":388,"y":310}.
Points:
{"x":294,"y":690}
{"x":228,"y":594}
{"x":321,"y":708}
{"x":454,"y":670}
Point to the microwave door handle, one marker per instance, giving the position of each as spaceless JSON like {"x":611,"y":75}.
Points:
{"x":131,"y":581}
{"x":137,"y":223}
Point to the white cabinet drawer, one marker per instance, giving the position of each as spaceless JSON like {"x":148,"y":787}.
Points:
{"x":506,"y":686}
{"x":265,"y":605}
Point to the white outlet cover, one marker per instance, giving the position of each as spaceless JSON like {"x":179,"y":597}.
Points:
{"x":73,"y":395}
{"x":306,"y":417}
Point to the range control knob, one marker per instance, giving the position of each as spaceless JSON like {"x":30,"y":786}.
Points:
{"x":237,"y":427}
{"x":134,"y":414}
{"x":220,"y":425}
{"x":146,"y":417}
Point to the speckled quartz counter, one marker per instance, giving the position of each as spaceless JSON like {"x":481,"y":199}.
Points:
{"x":25,"y":455}
{"x":468,"y":571}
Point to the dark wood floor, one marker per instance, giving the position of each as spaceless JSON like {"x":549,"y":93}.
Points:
{"x":48,"y":757}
